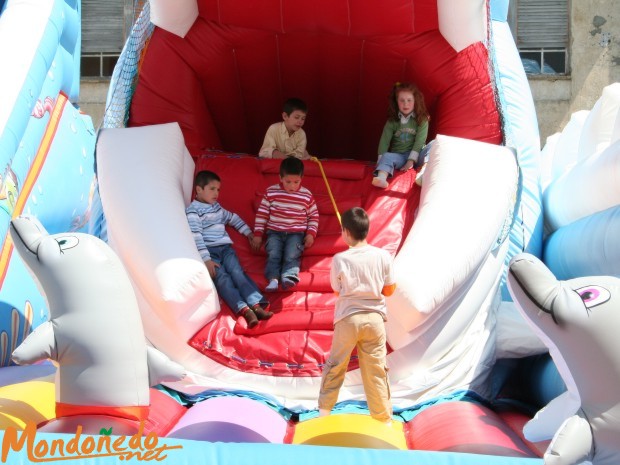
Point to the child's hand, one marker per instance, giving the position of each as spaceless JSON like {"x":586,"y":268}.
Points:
{"x":305,"y":156}
{"x":212,"y":267}
{"x":255,"y":242}
{"x":407,"y":166}
{"x":308,"y":241}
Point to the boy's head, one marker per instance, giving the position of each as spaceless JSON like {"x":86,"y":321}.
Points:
{"x":356,"y":222}
{"x":291,"y":173}
{"x":207,"y":185}
{"x":294,"y":113}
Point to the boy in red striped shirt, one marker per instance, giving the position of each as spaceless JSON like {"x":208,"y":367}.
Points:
{"x":288,"y":216}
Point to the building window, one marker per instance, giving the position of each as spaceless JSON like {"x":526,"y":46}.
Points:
{"x":105,"y":28}
{"x":540,"y":28}
{"x":98,"y":65}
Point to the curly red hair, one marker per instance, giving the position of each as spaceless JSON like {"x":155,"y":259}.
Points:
{"x":419,"y":106}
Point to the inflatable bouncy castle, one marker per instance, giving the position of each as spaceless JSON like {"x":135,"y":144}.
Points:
{"x":46,"y":147}
{"x":196,"y":86}
{"x":343,"y":63}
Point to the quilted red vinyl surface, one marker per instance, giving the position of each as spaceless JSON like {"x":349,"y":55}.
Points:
{"x":296,"y":341}
{"x":225,"y":81}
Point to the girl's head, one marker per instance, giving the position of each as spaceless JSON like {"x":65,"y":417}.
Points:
{"x":405,"y":98}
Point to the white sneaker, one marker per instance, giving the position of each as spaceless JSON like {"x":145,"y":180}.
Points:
{"x":420,"y":175}
{"x":272,"y":286}
{"x":379,"y":182}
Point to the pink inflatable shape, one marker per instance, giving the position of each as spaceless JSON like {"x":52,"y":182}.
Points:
{"x":231,"y":419}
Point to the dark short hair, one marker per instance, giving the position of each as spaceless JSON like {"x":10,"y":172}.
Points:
{"x":356,"y":221}
{"x":205,"y":177}
{"x":293,"y":104}
{"x":291,"y":165}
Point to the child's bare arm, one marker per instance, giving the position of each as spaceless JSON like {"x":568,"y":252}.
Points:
{"x":407,"y":166}
{"x":255,"y":242}
{"x":212,"y":267}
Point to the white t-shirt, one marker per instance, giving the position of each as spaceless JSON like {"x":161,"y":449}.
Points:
{"x":359,"y":275}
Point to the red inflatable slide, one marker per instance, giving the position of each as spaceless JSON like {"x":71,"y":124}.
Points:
{"x":296,"y":340}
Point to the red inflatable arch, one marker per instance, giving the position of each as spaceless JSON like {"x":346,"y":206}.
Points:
{"x":225,"y":81}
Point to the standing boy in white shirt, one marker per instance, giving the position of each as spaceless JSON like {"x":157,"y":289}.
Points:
{"x":361,"y":277}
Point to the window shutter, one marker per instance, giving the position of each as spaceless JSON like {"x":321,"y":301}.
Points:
{"x":542,"y":23}
{"x":103,"y":26}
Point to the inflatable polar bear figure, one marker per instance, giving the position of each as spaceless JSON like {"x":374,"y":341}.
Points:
{"x":581,"y":317}
{"x":95,"y":332}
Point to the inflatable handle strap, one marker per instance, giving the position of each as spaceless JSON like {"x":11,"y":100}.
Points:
{"x":329,"y":191}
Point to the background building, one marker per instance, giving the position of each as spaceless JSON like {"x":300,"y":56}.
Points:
{"x":570,"y":50}
{"x":105,"y":28}
{"x":589,"y":32}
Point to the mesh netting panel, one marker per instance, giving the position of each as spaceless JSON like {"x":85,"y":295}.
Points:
{"x":122,"y":86}
{"x":124,"y":78}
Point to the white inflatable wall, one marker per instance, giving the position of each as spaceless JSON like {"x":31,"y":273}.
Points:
{"x":582,"y":199}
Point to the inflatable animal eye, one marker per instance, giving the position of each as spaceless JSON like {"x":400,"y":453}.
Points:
{"x":67,"y":242}
{"x":593,"y":295}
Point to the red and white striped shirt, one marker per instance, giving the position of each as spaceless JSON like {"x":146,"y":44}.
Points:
{"x":287,"y":212}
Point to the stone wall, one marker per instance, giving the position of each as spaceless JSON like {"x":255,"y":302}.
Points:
{"x":594,"y":63}
{"x":93,"y":93}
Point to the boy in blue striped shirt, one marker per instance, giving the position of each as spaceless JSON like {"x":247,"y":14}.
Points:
{"x":207,"y":221}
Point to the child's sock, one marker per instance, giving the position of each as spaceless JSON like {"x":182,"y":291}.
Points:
{"x":272,"y":286}
{"x":288,"y":283}
{"x":265,"y":306}
{"x":262,"y":313}
{"x":324,"y":412}
{"x":249,"y":316}
{"x":380,"y":180}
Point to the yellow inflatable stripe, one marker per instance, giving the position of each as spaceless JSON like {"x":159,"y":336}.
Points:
{"x":350,"y":430}
{"x":31,"y":401}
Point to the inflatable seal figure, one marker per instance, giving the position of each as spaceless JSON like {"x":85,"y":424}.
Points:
{"x":581,"y":317}
{"x":94,"y":332}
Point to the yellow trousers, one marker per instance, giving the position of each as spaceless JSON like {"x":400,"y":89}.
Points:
{"x":366,"y":330}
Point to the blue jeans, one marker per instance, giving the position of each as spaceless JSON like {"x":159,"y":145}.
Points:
{"x":283,"y":255}
{"x":391,"y":161}
{"x":231,"y":282}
